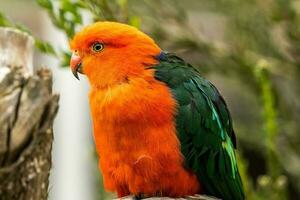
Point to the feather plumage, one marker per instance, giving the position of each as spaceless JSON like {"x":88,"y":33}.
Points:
{"x":204,"y":127}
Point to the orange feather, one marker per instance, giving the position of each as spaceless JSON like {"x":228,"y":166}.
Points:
{"x":133,"y":114}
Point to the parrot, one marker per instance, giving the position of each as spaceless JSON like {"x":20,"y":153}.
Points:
{"x":160,"y":128}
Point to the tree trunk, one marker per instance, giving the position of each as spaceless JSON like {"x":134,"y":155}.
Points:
{"x":27,"y":108}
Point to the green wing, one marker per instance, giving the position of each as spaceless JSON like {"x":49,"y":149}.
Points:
{"x":204,"y":128}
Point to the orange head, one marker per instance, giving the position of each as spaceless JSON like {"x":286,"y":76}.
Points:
{"x":110,"y":53}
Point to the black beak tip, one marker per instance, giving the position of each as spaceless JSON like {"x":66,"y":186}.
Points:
{"x":76,"y":75}
{"x":77,"y":70}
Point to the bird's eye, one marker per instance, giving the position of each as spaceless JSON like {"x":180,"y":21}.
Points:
{"x":97,"y":47}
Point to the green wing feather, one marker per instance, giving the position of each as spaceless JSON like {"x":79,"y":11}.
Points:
{"x":204,"y":128}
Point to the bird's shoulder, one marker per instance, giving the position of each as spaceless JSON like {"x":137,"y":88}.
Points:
{"x":193,"y":91}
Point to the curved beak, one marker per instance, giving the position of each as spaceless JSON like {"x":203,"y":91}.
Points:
{"x":76,"y":65}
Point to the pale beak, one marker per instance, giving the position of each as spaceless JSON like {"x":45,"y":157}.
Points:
{"x":76,"y":64}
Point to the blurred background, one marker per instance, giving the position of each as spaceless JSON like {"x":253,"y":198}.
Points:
{"x":249,"y":49}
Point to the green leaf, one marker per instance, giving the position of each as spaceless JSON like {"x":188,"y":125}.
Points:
{"x":122,"y":3}
{"x":4,"y":21}
{"x":66,"y":59}
{"x":135,"y":21}
{"x":46,"y":4}
{"x":45,"y":47}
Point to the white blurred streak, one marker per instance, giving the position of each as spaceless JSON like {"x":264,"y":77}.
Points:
{"x":72,"y":152}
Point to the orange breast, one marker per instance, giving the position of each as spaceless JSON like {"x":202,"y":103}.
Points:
{"x":136,"y":140}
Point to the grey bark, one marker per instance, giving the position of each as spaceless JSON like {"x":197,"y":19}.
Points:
{"x":27,"y":110}
{"x":196,"y":197}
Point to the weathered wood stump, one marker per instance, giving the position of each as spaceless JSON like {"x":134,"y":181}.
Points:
{"x":27,"y":110}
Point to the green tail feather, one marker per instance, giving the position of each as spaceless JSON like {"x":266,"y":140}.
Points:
{"x":204,"y":128}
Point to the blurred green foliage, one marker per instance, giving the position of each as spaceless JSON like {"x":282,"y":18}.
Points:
{"x":252,"y":47}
